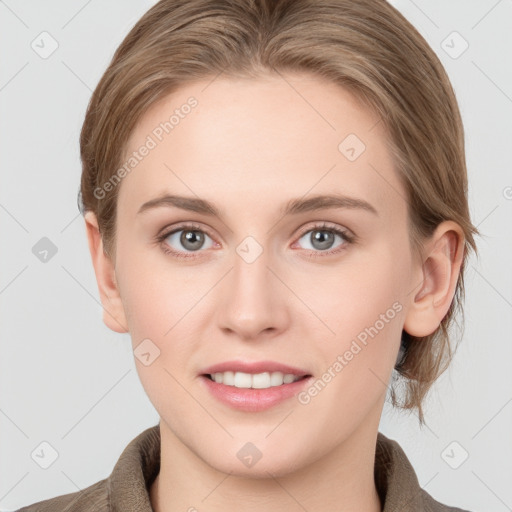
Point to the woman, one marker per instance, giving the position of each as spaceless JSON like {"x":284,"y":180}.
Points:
{"x":275,"y":197}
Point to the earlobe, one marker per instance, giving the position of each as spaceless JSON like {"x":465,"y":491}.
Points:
{"x":440,"y":271}
{"x":113,"y":311}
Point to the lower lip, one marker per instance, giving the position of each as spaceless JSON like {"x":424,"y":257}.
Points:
{"x":253,"y":400}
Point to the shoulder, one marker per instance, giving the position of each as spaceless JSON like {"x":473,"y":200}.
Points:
{"x":431,"y":505}
{"x":397,"y":482}
{"x":127,"y":487}
{"x":92,"y":498}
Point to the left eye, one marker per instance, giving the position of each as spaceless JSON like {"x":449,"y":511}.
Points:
{"x":322,"y":239}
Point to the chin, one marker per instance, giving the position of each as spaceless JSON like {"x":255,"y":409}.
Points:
{"x":246,"y":460}
{"x":259,"y":471}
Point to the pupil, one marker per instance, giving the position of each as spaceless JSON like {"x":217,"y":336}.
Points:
{"x":322,"y":239}
{"x":192,"y":239}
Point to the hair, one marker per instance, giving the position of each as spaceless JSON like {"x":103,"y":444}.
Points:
{"x":367,"y":47}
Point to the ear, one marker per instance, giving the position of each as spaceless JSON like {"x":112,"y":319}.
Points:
{"x":439,"y":273}
{"x":113,"y":311}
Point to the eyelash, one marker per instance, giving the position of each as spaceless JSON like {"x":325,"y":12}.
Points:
{"x":348,"y":239}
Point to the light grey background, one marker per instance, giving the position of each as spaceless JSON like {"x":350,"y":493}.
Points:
{"x":67,"y":380}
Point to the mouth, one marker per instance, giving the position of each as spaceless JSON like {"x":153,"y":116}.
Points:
{"x":254,"y":386}
{"x":262,"y":380}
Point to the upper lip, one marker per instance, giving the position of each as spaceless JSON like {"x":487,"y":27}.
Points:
{"x":253,"y":367}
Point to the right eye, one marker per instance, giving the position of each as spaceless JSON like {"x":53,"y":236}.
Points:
{"x":184,"y":240}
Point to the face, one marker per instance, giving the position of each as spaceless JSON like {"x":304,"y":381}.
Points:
{"x":277,"y":279}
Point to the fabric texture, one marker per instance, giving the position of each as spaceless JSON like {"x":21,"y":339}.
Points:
{"x":127,"y":487}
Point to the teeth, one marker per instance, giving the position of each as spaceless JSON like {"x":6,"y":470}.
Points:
{"x":256,"y":381}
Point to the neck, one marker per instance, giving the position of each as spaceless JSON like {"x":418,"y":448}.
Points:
{"x":342,"y":480}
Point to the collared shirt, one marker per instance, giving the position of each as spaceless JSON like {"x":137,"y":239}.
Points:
{"x":127,"y":488}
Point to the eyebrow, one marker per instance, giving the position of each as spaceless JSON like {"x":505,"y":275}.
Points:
{"x":292,"y":207}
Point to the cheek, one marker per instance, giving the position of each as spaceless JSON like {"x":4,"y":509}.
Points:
{"x":163,"y":303}
{"x":364,"y":308}
{"x":353,"y":295}
{"x":156,"y":295}
{"x":363,"y":304}
{"x":159,"y":307}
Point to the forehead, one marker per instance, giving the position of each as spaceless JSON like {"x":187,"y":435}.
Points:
{"x":270,"y":137}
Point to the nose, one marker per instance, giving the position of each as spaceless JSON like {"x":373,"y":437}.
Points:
{"x":252,"y":302}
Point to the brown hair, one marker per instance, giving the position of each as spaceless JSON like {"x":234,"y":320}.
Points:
{"x":366,"y":46}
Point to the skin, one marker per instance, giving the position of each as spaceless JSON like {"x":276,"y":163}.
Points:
{"x":249,"y":147}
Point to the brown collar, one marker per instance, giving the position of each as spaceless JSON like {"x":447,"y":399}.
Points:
{"x":139,"y":464}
